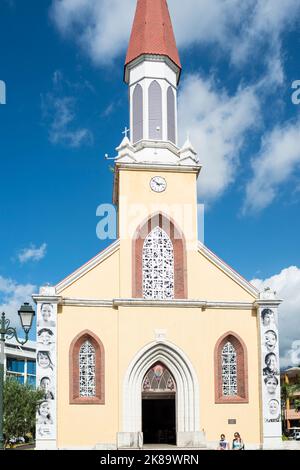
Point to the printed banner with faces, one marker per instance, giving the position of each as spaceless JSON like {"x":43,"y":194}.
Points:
{"x":270,"y":372}
{"x":46,"y":370}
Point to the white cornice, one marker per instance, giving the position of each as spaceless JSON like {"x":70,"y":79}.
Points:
{"x":87,"y":302}
{"x":87,"y":267}
{"x":158,"y":166}
{"x":268,"y":303}
{"x":228,"y":270}
{"x":184,"y":303}
{"x":51,"y":299}
{"x":130,"y":302}
{"x":231,"y":305}
{"x":159,"y":303}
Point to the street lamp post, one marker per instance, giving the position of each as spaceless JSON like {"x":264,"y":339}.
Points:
{"x":26,"y":314}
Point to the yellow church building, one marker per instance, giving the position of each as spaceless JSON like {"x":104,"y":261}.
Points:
{"x":156,"y":340}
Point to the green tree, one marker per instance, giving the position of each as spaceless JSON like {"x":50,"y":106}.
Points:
{"x":288,"y":391}
{"x":297,"y":405}
{"x":20,"y":405}
{"x":295,"y":389}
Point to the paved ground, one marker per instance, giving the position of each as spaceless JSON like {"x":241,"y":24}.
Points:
{"x":168,"y":447}
{"x":291,"y":445}
{"x":286,"y":445}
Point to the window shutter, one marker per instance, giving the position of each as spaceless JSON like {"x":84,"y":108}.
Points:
{"x":137,"y":105}
{"x":155,"y":111}
{"x":171,"y":116}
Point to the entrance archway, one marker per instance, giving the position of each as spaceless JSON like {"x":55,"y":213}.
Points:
{"x":159,"y":406}
{"x":187,"y":395}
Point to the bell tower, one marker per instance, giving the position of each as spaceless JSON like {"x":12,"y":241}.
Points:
{"x":152,"y":73}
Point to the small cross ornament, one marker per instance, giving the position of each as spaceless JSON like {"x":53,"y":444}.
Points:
{"x":126,"y":131}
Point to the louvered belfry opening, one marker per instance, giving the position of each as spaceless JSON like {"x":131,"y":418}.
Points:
{"x":137,"y":109}
{"x":155,"y":111}
{"x":171,"y":115}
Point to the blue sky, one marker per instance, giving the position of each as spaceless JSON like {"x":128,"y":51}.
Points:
{"x":67,"y":106}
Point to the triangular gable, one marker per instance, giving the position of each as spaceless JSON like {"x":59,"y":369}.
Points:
{"x":93,"y":263}
{"x":226,"y":269}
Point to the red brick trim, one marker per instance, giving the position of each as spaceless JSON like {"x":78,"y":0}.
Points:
{"x":178,"y":240}
{"x":242,"y":369}
{"x":76,"y":344}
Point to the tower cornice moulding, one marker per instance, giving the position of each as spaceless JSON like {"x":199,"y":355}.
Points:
{"x":158,"y":166}
{"x":157,"y":144}
{"x":151,"y":58}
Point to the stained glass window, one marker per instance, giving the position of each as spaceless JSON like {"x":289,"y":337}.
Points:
{"x":87,"y":376}
{"x":158,"y":266}
{"x":159,"y":379}
{"x":229,"y":370}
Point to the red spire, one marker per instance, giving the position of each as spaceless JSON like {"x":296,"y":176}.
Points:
{"x":152,"y":32}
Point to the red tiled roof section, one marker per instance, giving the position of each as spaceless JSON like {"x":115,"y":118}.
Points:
{"x":152,"y":32}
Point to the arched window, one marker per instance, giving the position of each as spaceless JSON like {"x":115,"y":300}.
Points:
{"x":158,"y":266}
{"x":171,"y":115}
{"x":87,"y":370}
{"x":137,"y":111}
{"x":159,"y":260}
{"x":155,"y":111}
{"x":231,"y":379}
{"x":229,"y":370}
{"x":87,"y":373}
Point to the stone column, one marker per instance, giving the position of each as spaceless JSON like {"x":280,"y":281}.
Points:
{"x":46,"y":372}
{"x":270,"y":370}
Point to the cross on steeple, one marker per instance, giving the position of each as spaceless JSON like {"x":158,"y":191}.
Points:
{"x":126,"y":131}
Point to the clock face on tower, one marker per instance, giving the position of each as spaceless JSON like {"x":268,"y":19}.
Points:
{"x":158,"y":184}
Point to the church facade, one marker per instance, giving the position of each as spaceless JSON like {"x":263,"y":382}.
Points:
{"x":156,"y":340}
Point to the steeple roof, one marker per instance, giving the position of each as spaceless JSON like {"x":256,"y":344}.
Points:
{"x":152,"y":32}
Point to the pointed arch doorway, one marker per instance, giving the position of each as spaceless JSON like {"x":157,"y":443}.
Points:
{"x":159,"y":406}
{"x":187,"y":398}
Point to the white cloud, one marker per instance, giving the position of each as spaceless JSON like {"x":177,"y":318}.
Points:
{"x":32,"y":253}
{"x":278,"y":159}
{"x":266,"y":22}
{"x":100,"y":27}
{"x":12,"y":296}
{"x":287,"y":286}
{"x":108,"y":110}
{"x":218,"y":125}
{"x":59,"y":113}
{"x":239,"y":28}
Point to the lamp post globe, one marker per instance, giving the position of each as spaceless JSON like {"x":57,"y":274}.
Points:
{"x":26,"y":314}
